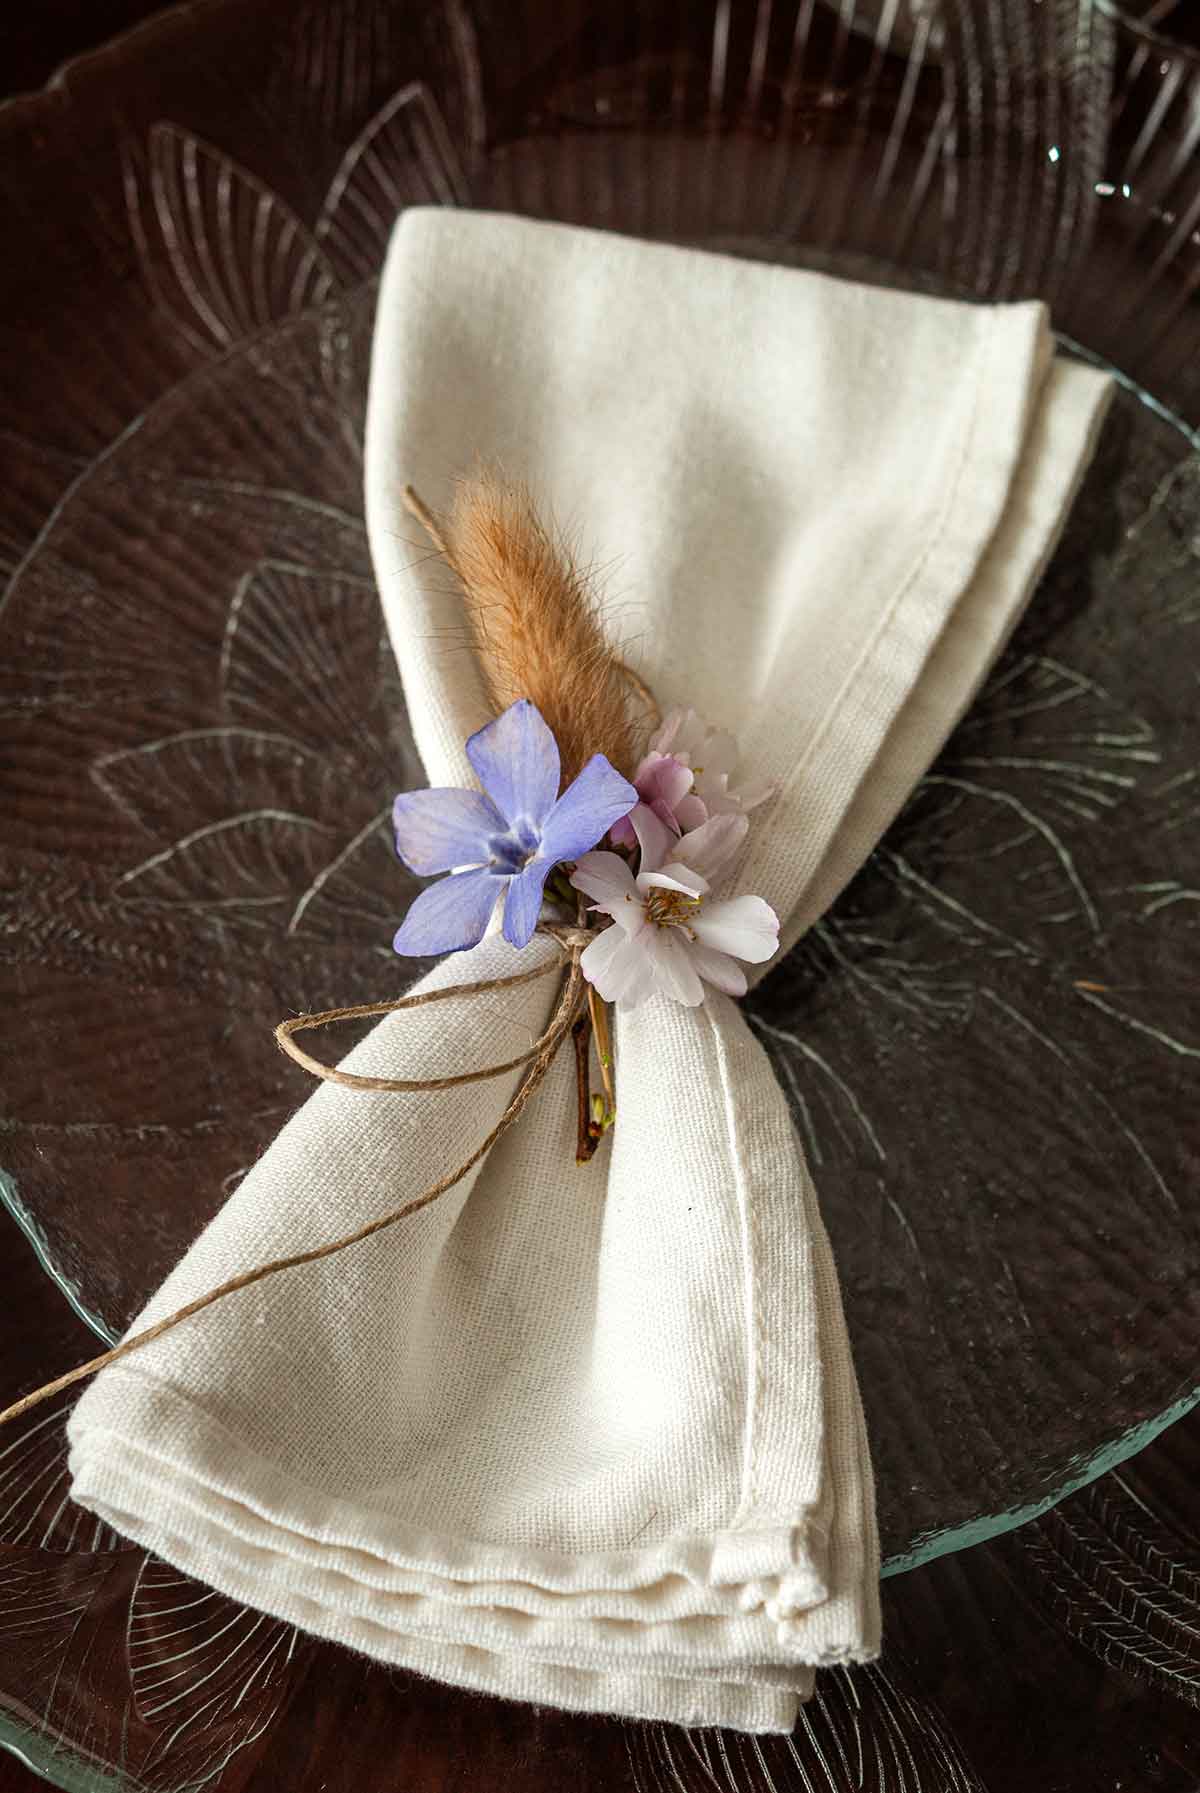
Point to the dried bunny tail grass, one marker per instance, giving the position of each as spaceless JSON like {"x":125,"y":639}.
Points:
{"x":535,"y":620}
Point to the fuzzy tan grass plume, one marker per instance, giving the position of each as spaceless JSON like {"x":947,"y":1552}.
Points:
{"x":534,"y":619}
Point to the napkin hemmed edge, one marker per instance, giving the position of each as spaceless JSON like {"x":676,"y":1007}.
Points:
{"x":1071,"y":404}
{"x":790,"y":1554}
{"x":766,"y":1701}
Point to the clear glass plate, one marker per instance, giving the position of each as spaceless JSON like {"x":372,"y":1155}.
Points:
{"x":991,"y":1042}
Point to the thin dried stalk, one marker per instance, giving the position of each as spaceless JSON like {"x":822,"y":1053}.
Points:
{"x":587,"y":1134}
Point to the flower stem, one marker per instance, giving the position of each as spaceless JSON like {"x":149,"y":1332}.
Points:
{"x":558,"y":889}
{"x":588,"y":1135}
{"x":598,"y":1010}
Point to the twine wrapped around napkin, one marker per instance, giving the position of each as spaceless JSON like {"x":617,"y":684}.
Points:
{"x":591,"y":1437}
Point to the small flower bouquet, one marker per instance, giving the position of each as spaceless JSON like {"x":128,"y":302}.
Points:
{"x":521,"y":845}
{"x":666,"y":855}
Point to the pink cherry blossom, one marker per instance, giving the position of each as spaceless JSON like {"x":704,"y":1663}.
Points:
{"x":668,"y":935}
{"x":664,"y":785}
{"x":712,"y":757}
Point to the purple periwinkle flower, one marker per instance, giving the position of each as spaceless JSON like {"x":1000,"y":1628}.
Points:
{"x":504,"y":840}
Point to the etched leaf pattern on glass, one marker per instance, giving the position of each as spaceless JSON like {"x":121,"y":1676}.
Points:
{"x":205,"y":725}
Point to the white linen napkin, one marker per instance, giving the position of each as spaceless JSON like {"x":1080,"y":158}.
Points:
{"x":591,"y":1437}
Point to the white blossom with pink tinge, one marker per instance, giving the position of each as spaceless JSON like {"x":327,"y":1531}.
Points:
{"x":684,"y":778}
{"x":711,"y":756}
{"x":668,"y":933}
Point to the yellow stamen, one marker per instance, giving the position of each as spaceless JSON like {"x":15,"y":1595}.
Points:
{"x":670,"y":908}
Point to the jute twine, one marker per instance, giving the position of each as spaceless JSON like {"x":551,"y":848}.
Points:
{"x":538,"y":1059}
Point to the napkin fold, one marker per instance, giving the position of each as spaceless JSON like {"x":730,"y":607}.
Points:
{"x":592,"y":1437}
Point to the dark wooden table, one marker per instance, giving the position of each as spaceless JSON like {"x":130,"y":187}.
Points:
{"x":1063,"y":1658}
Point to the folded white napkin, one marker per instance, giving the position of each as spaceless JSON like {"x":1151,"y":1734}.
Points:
{"x":591,"y":1437}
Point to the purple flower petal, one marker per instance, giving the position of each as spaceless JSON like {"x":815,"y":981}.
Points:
{"x":439,"y":829}
{"x":515,"y":759}
{"x":449,"y":916}
{"x":523,"y":901}
{"x":586,"y":811}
